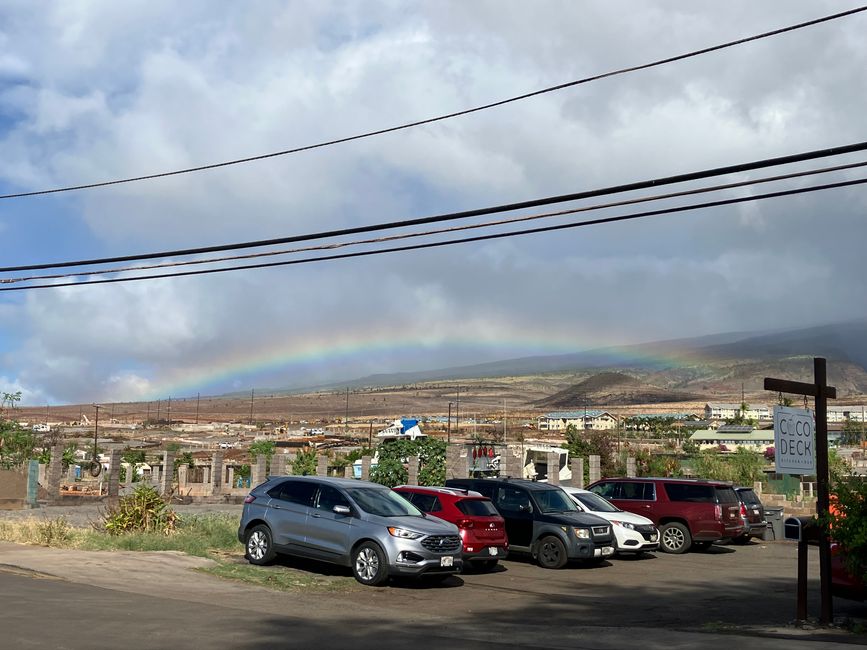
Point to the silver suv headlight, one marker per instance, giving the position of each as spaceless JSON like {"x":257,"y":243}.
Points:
{"x":403,"y":533}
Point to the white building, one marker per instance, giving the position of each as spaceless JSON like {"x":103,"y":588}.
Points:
{"x":592,"y":419}
{"x":719,"y":411}
{"x":843,"y":413}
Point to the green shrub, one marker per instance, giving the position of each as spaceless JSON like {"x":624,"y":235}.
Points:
{"x":142,"y":511}
{"x":53,"y":532}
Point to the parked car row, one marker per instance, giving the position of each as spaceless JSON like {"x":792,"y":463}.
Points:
{"x":473,"y":523}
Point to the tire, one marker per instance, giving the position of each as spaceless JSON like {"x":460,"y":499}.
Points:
{"x":369,"y":565}
{"x":551,"y":553}
{"x":259,"y":546}
{"x":674,"y":538}
{"x":484,"y":566}
{"x":701,"y":546}
{"x":740,"y":541}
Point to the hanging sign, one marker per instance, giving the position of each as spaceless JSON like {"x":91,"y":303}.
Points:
{"x":794,"y":440}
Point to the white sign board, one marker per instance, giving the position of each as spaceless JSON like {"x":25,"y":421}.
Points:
{"x":794,"y":440}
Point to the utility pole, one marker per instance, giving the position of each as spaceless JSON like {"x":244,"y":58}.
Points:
{"x":96,"y":431}
{"x":148,"y":418}
{"x":504,"y":420}
{"x":449,"y":426}
{"x":252,"y":392}
{"x":170,"y":412}
{"x":158,"y":410}
{"x":197,"y":407}
{"x":346,"y":416}
{"x":458,"y":413}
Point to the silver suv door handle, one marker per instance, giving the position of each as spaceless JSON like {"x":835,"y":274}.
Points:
{"x":315,"y":515}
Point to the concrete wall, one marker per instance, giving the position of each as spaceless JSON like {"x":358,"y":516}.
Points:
{"x":13,"y":489}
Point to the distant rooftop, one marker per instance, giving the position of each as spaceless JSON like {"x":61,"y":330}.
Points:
{"x":574,"y":415}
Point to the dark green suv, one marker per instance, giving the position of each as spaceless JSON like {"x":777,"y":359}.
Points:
{"x":543,"y":521}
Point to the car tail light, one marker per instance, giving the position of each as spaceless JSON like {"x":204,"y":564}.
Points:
{"x":743,"y":511}
{"x":249,"y":498}
{"x":717,"y":512}
{"x":466,"y":523}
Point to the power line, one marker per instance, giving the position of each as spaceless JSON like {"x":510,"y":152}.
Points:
{"x":446,"y":116}
{"x":508,"y":207}
{"x":427,"y":233}
{"x":450,"y":242}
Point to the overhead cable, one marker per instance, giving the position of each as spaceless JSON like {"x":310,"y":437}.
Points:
{"x":446,"y":116}
{"x":450,"y":242}
{"x":508,"y":207}
{"x":440,"y":231}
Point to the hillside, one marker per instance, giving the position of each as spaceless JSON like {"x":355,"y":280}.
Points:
{"x":612,"y":389}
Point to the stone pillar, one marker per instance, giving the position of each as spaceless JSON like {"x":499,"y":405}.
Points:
{"x":257,"y":471}
{"x":630,"y":467}
{"x":553,"y":468}
{"x":412,"y":471}
{"x":168,"y":473}
{"x":182,"y":476}
{"x":595,"y":468}
{"x":577,"y":465}
{"x":348,"y":472}
{"x":510,"y":463}
{"x":127,"y":479}
{"x":114,"y":474}
{"x":278,"y":464}
{"x":206,"y":475}
{"x":365,"y":468}
{"x":290,"y":463}
{"x":33,"y":483}
{"x":42,"y":475}
{"x":55,"y":472}
{"x":456,"y":461}
{"x":217,"y":472}
{"x":757,"y":488}
{"x":155,"y":474}
{"x":322,"y":465}
{"x":230,"y":477}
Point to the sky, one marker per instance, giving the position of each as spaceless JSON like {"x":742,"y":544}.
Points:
{"x":95,"y":90}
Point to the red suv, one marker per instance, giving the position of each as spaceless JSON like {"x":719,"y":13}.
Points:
{"x":688,"y":512}
{"x":483,"y":530}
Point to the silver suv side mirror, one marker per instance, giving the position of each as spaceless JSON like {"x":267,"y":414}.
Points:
{"x":341,"y":510}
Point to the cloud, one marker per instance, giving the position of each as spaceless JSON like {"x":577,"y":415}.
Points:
{"x":100,"y":90}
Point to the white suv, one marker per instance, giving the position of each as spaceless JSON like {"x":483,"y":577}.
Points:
{"x":632,"y":533}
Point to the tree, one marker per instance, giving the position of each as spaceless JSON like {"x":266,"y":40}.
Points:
{"x":390,"y":469}
{"x":743,"y":467}
{"x":305,"y":462}
{"x":852,"y":434}
{"x":589,"y":442}
{"x":264,"y":448}
{"x":847,"y":521}
{"x":17,"y":445}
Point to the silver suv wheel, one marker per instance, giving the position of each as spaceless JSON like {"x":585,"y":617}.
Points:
{"x":369,"y":565}
{"x":257,"y":545}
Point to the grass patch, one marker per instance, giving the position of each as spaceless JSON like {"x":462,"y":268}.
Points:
{"x":279,"y":578}
{"x":212,"y":536}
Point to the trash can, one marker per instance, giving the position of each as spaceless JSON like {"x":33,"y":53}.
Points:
{"x":774,"y":517}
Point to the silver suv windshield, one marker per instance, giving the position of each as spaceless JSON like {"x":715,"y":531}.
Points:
{"x":382,"y":502}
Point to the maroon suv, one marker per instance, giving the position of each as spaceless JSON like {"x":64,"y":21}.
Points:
{"x":483,"y":530}
{"x":688,"y":512}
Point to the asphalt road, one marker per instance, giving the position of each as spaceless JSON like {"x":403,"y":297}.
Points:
{"x":741,"y":596}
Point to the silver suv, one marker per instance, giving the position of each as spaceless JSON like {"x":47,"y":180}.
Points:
{"x":361,"y":525}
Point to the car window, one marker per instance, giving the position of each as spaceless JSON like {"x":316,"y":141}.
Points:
{"x":476,"y":507}
{"x":726,"y":495}
{"x":594,"y":502}
{"x":691,"y":492}
{"x":382,"y":502}
{"x":425,"y":502}
{"x":636,"y":491}
{"x":300,"y":492}
{"x":513,"y":499}
{"x":484,"y":488}
{"x":605,"y":489}
{"x":554,"y":501}
{"x":749,"y":497}
{"x":330,"y":497}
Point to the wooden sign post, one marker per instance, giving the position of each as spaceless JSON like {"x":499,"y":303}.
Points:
{"x":821,"y":392}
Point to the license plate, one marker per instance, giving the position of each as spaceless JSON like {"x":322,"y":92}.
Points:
{"x":447,"y":561}
{"x":492,"y":550}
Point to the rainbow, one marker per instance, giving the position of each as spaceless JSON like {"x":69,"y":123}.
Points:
{"x":300,"y":357}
